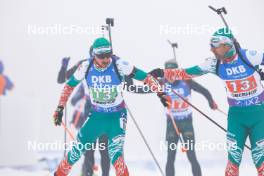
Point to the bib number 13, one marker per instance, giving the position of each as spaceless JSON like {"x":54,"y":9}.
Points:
{"x":244,"y":85}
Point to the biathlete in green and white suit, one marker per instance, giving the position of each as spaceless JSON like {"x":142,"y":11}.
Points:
{"x":245,"y":95}
{"x":103,"y":75}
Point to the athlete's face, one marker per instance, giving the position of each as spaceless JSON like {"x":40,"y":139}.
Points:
{"x":103,"y":60}
{"x":220,"y":51}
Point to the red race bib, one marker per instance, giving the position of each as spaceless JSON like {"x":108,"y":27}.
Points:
{"x":243,"y":85}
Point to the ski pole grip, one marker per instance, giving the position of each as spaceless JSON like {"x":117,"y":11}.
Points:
{"x":224,"y":10}
{"x":110,"y":21}
{"x":174,"y":45}
{"x":218,"y":11}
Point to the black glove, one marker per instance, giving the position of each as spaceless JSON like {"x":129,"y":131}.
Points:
{"x":163,"y":98}
{"x":213,"y":105}
{"x":65,"y":61}
{"x":58,"y":115}
{"x":157,"y":73}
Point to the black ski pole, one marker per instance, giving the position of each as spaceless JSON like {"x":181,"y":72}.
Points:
{"x":206,"y":116}
{"x":174,"y":46}
{"x":201,"y":112}
{"x":145,"y":141}
{"x":110,"y":23}
{"x":197,"y":109}
{"x":220,"y":12}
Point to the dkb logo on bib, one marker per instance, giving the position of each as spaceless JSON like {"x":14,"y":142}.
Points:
{"x":101,"y":79}
{"x":235,"y":70}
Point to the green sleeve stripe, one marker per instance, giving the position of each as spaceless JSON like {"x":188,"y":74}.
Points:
{"x":195,"y":70}
{"x":140,"y":74}
{"x":73,"y":82}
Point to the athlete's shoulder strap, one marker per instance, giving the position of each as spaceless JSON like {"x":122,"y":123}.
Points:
{"x":90,"y":60}
{"x":241,"y":55}
{"x":249,"y":64}
{"x":114,"y":59}
{"x":217,"y":67}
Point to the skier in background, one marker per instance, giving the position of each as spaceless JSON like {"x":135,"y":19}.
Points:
{"x":181,"y":113}
{"x":5,"y":82}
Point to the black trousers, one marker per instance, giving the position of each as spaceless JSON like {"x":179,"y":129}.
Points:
{"x":186,"y":128}
{"x":87,"y":168}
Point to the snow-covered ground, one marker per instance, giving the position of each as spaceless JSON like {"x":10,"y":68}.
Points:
{"x":246,"y":170}
{"x":136,"y":168}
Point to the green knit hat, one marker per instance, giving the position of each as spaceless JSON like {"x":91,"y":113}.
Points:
{"x":101,"y":46}
{"x":222,"y":36}
{"x":171,"y":64}
{"x":224,"y":32}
